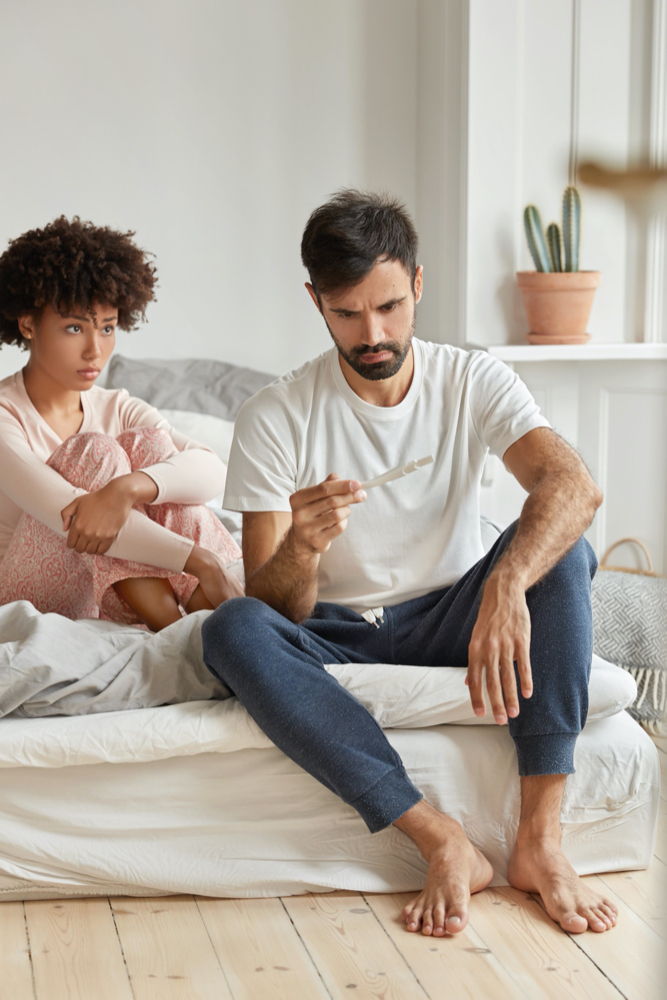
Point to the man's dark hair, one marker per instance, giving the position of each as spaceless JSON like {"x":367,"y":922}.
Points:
{"x":345,"y":238}
{"x":73,"y":264}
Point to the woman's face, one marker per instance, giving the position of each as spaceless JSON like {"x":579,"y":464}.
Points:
{"x":71,"y":350}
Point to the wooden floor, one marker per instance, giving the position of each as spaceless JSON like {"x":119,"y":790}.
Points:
{"x":337,"y":945}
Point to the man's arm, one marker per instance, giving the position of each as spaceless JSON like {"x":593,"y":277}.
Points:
{"x":561,"y":503}
{"x":281,"y":551}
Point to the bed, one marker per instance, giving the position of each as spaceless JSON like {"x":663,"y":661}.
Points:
{"x":191,"y":796}
{"x":126,"y":768}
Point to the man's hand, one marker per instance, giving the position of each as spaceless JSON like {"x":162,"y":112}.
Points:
{"x":562,"y":499}
{"x":501,"y":635}
{"x":218,"y":585}
{"x":94,"y":519}
{"x":281,"y":551}
{"x":320,"y":513}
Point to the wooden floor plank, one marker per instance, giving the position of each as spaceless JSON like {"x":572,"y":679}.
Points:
{"x":168,"y":951}
{"x":260,"y":951}
{"x":630,"y":955}
{"x":539,"y":956}
{"x":463,"y":961}
{"x":75,"y":950}
{"x":175,"y":947}
{"x":353,"y":954}
{"x":15,"y":968}
{"x":645,"y":892}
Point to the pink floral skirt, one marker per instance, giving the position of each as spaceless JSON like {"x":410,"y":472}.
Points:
{"x":38,"y":567}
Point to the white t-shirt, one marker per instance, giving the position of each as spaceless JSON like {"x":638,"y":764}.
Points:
{"x":415,"y":534}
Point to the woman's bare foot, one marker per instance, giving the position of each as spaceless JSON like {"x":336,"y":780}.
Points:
{"x":538,"y":865}
{"x":199,"y":601}
{"x":455,"y":870}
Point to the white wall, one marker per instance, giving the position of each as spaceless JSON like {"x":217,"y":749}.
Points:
{"x":615,"y":414}
{"x":553,"y":82}
{"x":212,"y":128}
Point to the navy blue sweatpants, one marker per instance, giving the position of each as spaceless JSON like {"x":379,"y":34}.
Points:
{"x":276,"y":669}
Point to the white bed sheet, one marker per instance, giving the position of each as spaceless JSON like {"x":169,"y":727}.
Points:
{"x":193,"y":797}
{"x":249,"y":822}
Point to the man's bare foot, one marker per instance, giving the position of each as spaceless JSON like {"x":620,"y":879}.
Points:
{"x":455,"y":870}
{"x":539,"y":865}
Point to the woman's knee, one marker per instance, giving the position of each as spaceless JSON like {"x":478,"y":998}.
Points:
{"x":89,"y":461}
{"x":145,"y":446}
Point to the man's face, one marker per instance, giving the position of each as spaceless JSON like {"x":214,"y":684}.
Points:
{"x":372,"y":324}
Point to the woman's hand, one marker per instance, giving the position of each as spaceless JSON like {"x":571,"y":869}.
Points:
{"x":94,"y":519}
{"x":218,"y":585}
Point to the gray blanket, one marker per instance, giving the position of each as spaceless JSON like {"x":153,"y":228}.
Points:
{"x":50,"y":665}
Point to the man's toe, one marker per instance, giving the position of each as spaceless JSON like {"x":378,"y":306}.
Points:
{"x":455,"y":922}
{"x":413,"y":916}
{"x":457,"y":916}
{"x":439,"y":920}
{"x":602,"y":914}
{"x":596,"y":920}
{"x":427,"y":922}
{"x":573,"y":923}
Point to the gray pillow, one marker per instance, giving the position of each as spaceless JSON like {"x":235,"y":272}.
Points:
{"x":196,"y":384}
{"x":630,"y":629}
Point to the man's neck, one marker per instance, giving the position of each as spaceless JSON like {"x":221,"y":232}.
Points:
{"x":384,"y":392}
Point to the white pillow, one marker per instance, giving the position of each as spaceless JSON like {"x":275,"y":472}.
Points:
{"x":404,"y":697}
{"x":214,"y":432}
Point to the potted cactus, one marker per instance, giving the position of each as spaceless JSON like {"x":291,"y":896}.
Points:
{"x":557,"y":296}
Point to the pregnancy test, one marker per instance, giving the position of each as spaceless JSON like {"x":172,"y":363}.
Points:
{"x":400,"y":470}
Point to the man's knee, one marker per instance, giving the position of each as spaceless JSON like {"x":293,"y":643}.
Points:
{"x":577,"y":566}
{"x":235,"y":633}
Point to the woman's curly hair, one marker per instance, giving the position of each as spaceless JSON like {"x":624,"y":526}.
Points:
{"x":73,"y":264}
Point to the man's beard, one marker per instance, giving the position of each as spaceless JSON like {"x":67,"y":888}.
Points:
{"x":381,"y":369}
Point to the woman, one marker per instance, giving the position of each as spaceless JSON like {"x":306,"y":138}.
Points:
{"x":101,"y":501}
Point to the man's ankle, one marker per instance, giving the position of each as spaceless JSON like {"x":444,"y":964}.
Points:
{"x":532,"y":833}
{"x":426,"y":826}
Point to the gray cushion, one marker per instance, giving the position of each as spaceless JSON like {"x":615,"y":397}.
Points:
{"x":630,"y":629}
{"x":196,"y":384}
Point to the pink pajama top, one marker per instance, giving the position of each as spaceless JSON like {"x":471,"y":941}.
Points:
{"x":27,"y":484}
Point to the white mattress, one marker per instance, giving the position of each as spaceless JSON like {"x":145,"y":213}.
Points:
{"x":130,"y":805}
{"x":192,"y":796}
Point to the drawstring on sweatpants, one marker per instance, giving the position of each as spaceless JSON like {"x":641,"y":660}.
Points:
{"x":373,"y":616}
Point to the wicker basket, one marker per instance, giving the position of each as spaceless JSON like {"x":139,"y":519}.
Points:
{"x":630,"y":629}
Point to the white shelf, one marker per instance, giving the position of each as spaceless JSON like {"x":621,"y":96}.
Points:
{"x":575,"y":352}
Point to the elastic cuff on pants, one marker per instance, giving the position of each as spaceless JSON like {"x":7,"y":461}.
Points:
{"x":387,"y":800}
{"x":549,"y":754}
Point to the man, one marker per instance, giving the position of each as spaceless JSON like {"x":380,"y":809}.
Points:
{"x":319,"y":553}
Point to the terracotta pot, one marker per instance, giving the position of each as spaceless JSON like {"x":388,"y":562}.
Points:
{"x":558,"y":304}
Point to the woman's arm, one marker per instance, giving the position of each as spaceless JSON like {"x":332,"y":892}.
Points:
{"x":92,"y":521}
{"x":194,"y":475}
{"x":43,"y":493}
